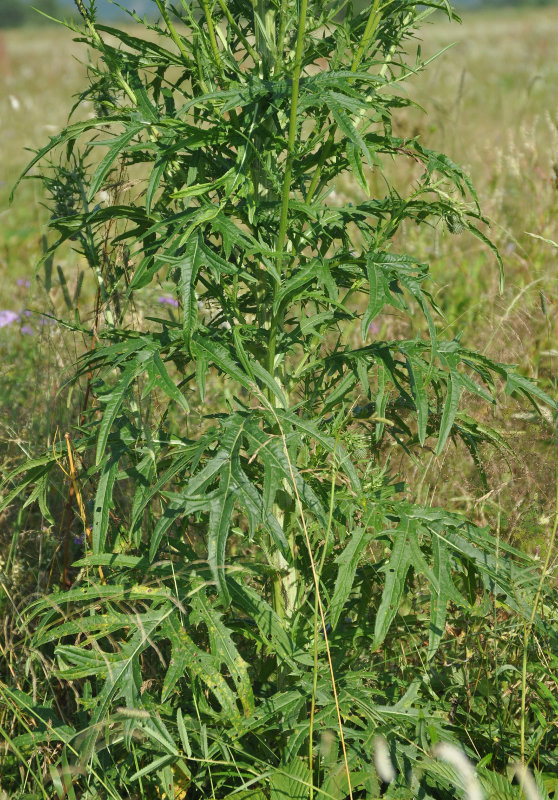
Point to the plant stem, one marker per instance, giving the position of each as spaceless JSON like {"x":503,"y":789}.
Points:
{"x":172,"y":30}
{"x":292,"y":133}
{"x":236,"y":28}
{"x":101,"y":46}
{"x":281,"y":237}
{"x":315,"y":675}
{"x":316,"y":583}
{"x":212,"y":39}
{"x":281,"y":35}
{"x":326,"y":149}
{"x":369,"y":31}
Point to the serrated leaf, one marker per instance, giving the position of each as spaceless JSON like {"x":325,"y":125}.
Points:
{"x":395,"y":571}
{"x":189,"y":267}
{"x":454,"y":389}
{"x":416,"y":377}
{"x":157,"y":172}
{"x":117,"y":145}
{"x":167,"y":384}
{"x":120,"y":670}
{"x":268,"y":622}
{"x":113,"y":402}
{"x":221,"y":356}
{"x":350,"y":131}
{"x":355,"y":160}
{"x":91,"y":627}
{"x":273,"y":448}
{"x":528,"y":388}
{"x":187,"y":658}
{"x":220,"y":515}
{"x":183,"y":733}
{"x":103,"y":504}
{"x":440,"y":594}
{"x":348,"y":562}
{"x":34,"y":473}
{"x":224,"y":648}
{"x":155,"y":765}
{"x":291,"y":782}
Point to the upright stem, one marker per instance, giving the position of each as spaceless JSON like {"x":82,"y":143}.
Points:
{"x":264,"y":27}
{"x":369,"y":32}
{"x":281,"y":35}
{"x":172,"y":30}
{"x":292,"y":132}
{"x":281,"y":237}
{"x":101,"y":46}
{"x":236,"y":28}
{"x":315,"y":675}
{"x":212,"y":39}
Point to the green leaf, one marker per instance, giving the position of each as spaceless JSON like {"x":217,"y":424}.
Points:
{"x":34,"y":473}
{"x":155,"y":765}
{"x":117,"y":145}
{"x":354,"y":158}
{"x":120,"y":670}
{"x":220,"y":515}
{"x":188,"y":659}
{"x":441,"y":595}
{"x":395,"y":571}
{"x":69,"y":134}
{"x":350,"y":131}
{"x":103,"y":504}
{"x":113,"y":401}
{"x":224,"y":649}
{"x":166,"y":382}
{"x":221,"y":357}
{"x":189,"y":267}
{"x":268,"y":622}
{"x":528,"y":388}
{"x":291,"y":782}
{"x":92,"y":627}
{"x":416,"y":371}
{"x":183,"y":733}
{"x":157,"y":173}
{"x":273,"y":448}
{"x":348,"y":562}
{"x":454,"y":389}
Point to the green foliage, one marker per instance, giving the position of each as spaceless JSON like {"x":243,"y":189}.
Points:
{"x":259,"y":599}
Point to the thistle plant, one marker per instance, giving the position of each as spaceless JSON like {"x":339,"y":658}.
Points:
{"x":234,"y":624}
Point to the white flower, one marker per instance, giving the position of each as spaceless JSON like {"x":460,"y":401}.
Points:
{"x":462,"y":765}
{"x":527,"y":782}
{"x":382,"y":760}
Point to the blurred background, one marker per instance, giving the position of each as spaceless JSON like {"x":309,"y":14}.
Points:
{"x":14,"y":13}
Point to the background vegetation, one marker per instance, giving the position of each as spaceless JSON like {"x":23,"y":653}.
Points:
{"x":16,"y":13}
{"x":492,"y":110}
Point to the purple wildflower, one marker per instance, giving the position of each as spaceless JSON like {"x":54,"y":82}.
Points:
{"x":23,"y":282}
{"x":374,"y":328}
{"x":27,"y":330}
{"x":79,"y":540}
{"x":7,"y":317}
{"x":167,"y":300}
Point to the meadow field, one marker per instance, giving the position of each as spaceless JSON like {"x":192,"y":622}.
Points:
{"x":489,"y":102}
